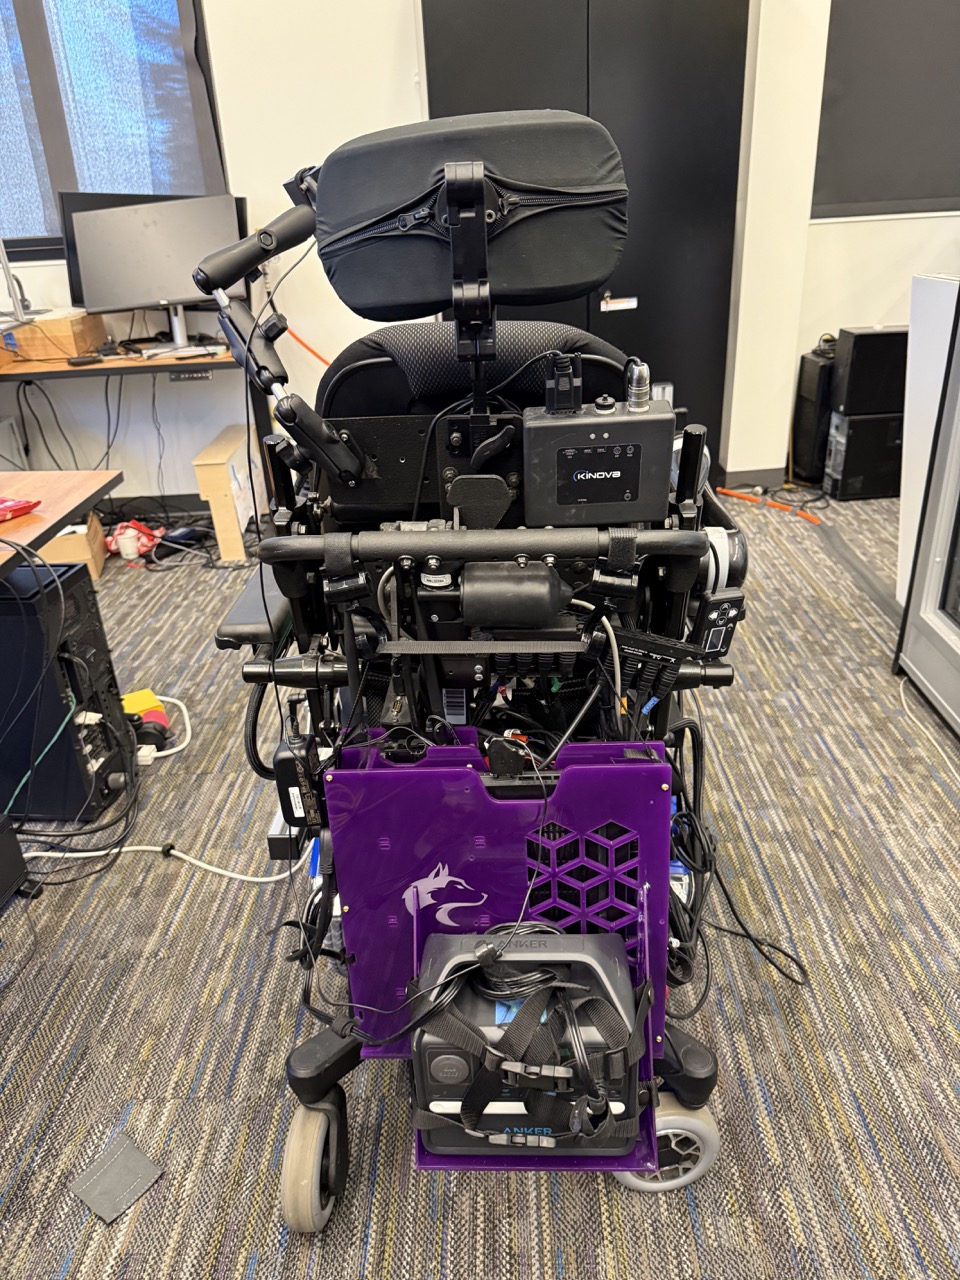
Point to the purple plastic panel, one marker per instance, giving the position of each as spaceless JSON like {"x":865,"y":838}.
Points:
{"x":423,"y":848}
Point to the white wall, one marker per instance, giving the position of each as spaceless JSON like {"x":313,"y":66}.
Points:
{"x":859,"y":270}
{"x":292,"y":80}
{"x":323,"y":74}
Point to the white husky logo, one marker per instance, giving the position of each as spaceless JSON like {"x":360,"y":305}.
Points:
{"x":422,"y":893}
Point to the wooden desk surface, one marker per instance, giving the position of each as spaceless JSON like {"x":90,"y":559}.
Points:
{"x":36,"y":370}
{"x":64,"y":496}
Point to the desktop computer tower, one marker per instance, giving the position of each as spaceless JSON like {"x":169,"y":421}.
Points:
{"x":13,"y":866}
{"x":870,"y":371}
{"x":863,"y":456}
{"x":90,"y":758}
{"x":811,"y":417}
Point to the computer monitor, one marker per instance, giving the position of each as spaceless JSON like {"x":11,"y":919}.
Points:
{"x":129,"y":256}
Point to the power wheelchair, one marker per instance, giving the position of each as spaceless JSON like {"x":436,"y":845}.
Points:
{"x":497,"y":566}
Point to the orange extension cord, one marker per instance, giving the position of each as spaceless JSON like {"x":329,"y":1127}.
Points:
{"x":307,"y":347}
{"x":761,"y":502}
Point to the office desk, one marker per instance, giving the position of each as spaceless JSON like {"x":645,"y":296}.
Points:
{"x":40,"y":370}
{"x":45,"y":370}
{"x":64,"y":495}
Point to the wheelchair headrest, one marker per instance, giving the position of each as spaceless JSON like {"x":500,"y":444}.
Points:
{"x":556,"y":211}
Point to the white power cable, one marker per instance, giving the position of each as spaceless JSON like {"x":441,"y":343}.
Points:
{"x":173,"y":853}
{"x":926,"y":732}
{"x":614,"y":652}
{"x":187,"y":727}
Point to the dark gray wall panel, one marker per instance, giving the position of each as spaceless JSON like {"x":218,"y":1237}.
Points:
{"x":890,"y":124}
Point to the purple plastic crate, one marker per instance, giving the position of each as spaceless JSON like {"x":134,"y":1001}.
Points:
{"x":423,"y":848}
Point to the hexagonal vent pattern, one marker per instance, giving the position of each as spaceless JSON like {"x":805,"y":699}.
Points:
{"x":586,"y":883}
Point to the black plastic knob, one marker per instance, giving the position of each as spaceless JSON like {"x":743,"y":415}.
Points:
{"x":274,"y":327}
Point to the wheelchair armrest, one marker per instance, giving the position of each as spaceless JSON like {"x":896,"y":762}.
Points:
{"x":246,"y":622}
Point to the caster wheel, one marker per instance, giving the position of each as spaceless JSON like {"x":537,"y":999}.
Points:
{"x":688,"y":1142}
{"x":314,"y":1163}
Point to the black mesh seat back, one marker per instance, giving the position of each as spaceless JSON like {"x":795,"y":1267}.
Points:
{"x":421,"y":374}
{"x":556,"y":207}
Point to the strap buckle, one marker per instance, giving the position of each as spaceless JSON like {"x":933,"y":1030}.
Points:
{"x":521,"y":1140}
{"x":532,"y":1076}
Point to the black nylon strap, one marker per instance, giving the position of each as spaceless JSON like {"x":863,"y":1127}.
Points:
{"x":449,"y":1025}
{"x":622,"y":551}
{"x":337,"y":558}
{"x":513,"y":1045}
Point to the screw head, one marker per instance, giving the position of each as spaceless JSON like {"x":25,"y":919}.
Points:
{"x":433,"y":563}
{"x":329,"y":777}
{"x":549,"y":561}
{"x":522,"y":560}
{"x":406,"y":562}
{"x":664,"y":786}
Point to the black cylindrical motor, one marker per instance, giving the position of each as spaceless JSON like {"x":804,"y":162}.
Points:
{"x":528,"y":596}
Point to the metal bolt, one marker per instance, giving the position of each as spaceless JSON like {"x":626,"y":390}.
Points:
{"x":659,"y":1039}
{"x":344,"y":909}
{"x":478,"y":678}
{"x":434,"y":617}
{"x":490,"y":215}
{"x":456,"y":439}
{"x":522,"y":560}
{"x":406,"y":562}
{"x":579,"y":566}
{"x":479,"y":669}
{"x":664,"y":786}
{"x":433,"y":563}
{"x":344,"y":436}
{"x":549,"y":561}
{"x":513,"y":480}
{"x":329,"y":777}
{"x":449,"y":474}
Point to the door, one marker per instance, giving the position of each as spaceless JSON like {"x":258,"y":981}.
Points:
{"x":667,"y":81}
{"x":666,"y":78}
{"x":930,"y":640}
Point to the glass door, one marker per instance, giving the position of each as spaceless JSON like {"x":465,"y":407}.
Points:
{"x":929,"y":649}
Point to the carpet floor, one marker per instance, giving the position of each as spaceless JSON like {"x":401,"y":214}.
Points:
{"x":158,"y":1003}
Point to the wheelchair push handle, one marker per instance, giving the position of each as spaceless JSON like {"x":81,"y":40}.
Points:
{"x":467,"y":545}
{"x":224,"y":267}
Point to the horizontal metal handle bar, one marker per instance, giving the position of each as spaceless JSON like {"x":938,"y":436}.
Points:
{"x":482,"y":544}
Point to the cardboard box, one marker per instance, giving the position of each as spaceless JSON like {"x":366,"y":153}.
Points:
{"x":222,"y":480}
{"x":79,"y":544}
{"x":58,"y":335}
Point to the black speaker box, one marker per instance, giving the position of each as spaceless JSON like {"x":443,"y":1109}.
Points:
{"x":55,"y":657}
{"x":13,"y":868}
{"x":870,"y":371}
{"x":811,"y":417}
{"x":863,"y":457}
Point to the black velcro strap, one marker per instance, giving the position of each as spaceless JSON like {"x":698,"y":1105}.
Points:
{"x":512,"y":1047}
{"x":337,"y":557}
{"x":621,"y":551}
